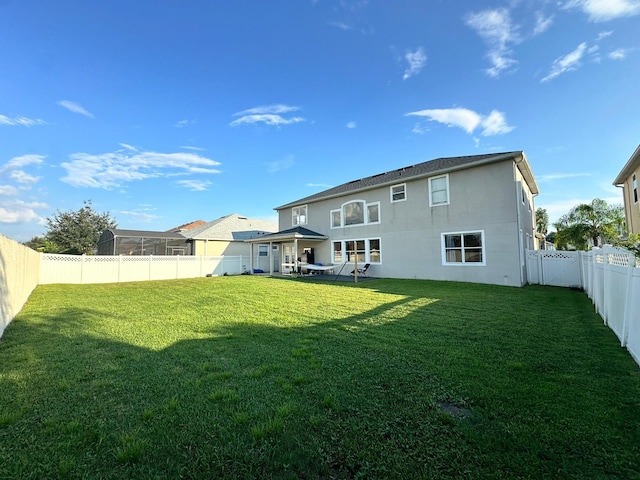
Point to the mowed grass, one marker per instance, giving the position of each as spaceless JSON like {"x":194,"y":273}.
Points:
{"x":255,"y":377}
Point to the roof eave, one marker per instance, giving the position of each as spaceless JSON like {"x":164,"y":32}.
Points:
{"x":628,"y":168}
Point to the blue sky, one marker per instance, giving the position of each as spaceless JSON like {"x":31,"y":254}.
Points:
{"x":164,"y":112}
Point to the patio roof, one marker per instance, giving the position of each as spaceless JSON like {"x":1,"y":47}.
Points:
{"x":295,"y":233}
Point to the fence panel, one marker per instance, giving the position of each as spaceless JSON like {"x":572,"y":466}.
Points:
{"x":58,"y":268}
{"x":552,"y":267}
{"x":633,"y":316}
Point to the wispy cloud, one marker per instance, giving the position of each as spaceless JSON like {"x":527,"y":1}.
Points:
{"x":543,"y":22}
{"x":194,"y":185}
{"x":21,"y":121}
{"x":602,"y":35}
{"x":21,"y":176}
{"x":498,"y":32}
{"x":567,"y":63}
{"x":184,"y":123}
{"x":619,"y":54}
{"x":188,"y":147}
{"x":8,"y":190}
{"x":138,"y":216}
{"x":18,"y":211}
{"x":493,"y":124}
{"x":284,"y":163}
{"x":74,"y":107}
{"x":415,"y":62}
{"x":111,"y":170}
{"x":126,"y":146}
{"x":560,"y":176}
{"x":352,"y":124}
{"x":319,"y":185}
{"x":267,"y":114}
{"x":22,"y":161}
{"x":604,"y":10}
{"x":340,"y":25}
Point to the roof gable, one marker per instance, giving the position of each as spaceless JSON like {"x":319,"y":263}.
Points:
{"x":632,"y":164}
{"x":424,"y":169}
{"x":232,"y":227}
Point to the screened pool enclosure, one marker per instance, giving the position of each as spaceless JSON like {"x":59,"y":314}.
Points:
{"x":141,"y":242}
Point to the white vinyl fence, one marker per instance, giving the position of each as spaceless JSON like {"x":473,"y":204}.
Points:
{"x":56,"y":268}
{"x":611,"y":278}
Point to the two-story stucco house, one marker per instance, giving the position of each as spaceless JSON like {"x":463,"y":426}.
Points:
{"x":628,"y":179}
{"x":467,"y":218}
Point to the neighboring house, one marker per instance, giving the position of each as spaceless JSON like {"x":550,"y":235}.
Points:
{"x":468,"y":218}
{"x":628,"y":179}
{"x":224,"y":236}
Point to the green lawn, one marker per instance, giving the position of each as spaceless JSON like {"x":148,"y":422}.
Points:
{"x":256,"y":377}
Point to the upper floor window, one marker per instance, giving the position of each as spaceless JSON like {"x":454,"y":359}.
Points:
{"x":398,"y":193}
{"x":299,"y":215}
{"x":439,"y":191}
{"x":635,"y":189}
{"x":356,"y":212}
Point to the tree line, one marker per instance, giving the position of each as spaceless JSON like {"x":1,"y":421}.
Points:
{"x":588,"y":225}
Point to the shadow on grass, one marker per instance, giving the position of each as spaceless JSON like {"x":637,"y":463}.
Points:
{"x":356,"y":396}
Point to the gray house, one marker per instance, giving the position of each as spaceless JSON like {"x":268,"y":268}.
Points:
{"x":467,"y":218}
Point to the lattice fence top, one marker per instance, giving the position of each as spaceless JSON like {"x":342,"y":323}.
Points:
{"x":619,"y":259}
{"x":559,"y":254}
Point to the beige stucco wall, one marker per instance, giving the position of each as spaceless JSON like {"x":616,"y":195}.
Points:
{"x":220,"y":247}
{"x":486,"y":198}
{"x":19,"y":275}
{"x":631,"y":207}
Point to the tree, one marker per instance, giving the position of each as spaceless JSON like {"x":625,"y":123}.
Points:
{"x":78,"y":232}
{"x":595,"y":221}
{"x":542,"y":221}
{"x":42,"y":244}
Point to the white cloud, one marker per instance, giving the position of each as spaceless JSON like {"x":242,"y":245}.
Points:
{"x":19,"y":211}
{"x":493,"y":124}
{"x":23,"y":160}
{"x":420,"y":129}
{"x":498,"y":32}
{"x":8,"y":190}
{"x":340,"y":25}
{"x":567,"y":63}
{"x":131,"y":148}
{"x":619,"y":54}
{"x":352,"y":125}
{"x":542,"y":23}
{"x":194,"y":185}
{"x":139,"y":216}
{"x":22,"y":121}
{"x":111,"y":170}
{"x":184,"y":123}
{"x":280,"y":165}
{"x":197,"y":149}
{"x":319,"y":185}
{"x":603,"y":10}
{"x":560,"y":176}
{"x":416,"y":62}
{"x":267,"y":114}
{"x":21,"y":176}
{"x":602,"y":35}
{"x":74,"y":107}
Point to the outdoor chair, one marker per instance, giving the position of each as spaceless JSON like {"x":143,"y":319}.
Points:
{"x":362,"y":272}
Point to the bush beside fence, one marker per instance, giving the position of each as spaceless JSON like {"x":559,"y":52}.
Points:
{"x":19,"y":275}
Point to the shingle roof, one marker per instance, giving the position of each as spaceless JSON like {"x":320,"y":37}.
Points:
{"x":232,"y":227}
{"x":295,"y":232}
{"x":429,"y":168}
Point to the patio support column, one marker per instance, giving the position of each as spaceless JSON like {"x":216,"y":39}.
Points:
{"x":295,"y":256}
{"x":271,"y":258}
{"x":251,"y":258}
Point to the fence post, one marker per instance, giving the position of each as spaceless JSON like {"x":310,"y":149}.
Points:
{"x":626,"y":319}
{"x":540,"y":263}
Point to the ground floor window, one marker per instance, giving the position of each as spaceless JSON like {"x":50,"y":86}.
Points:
{"x":460,"y":248}
{"x":365,"y":250}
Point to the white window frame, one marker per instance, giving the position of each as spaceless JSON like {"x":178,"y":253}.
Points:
{"x":367,"y":250}
{"x":404,"y":193}
{"x":463,"y":263}
{"x":339,"y":212}
{"x":296,"y":214}
{"x":368,"y":221}
{"x":431,"y":179}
